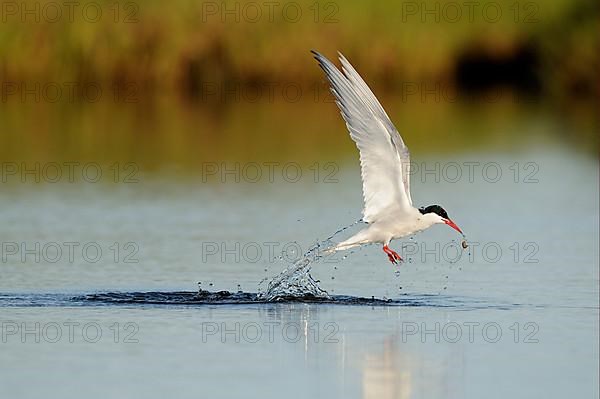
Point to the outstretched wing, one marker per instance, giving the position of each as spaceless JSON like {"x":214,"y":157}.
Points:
{"x":384,"y":158}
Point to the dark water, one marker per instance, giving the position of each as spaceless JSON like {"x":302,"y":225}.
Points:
{"x":185,"y":298}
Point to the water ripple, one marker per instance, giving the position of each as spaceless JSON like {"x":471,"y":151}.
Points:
{"x":189,"y":298}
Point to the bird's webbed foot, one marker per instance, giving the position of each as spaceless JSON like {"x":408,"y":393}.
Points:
{"x":392,"y":255}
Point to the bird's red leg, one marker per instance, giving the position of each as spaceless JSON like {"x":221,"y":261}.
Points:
{"x":392,"y":255}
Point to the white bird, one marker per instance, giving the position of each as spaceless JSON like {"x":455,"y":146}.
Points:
{"x":384,"y":162}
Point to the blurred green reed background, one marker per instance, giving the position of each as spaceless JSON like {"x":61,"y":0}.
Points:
{"x":175,"y":84}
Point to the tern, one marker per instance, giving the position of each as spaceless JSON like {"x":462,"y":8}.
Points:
{"x":384,"y":162}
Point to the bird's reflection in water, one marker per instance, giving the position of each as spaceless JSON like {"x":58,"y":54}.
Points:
{"x":401,"y":371}
{"x":389,"y":367}
{"x":387,"y":374}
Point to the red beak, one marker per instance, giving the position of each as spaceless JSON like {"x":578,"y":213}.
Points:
{"x":453,"y":225}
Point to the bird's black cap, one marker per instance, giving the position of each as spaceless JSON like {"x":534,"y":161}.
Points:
{"x":434,"y":209}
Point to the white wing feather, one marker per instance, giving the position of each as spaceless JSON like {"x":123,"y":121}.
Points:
{"x":384,"y":158}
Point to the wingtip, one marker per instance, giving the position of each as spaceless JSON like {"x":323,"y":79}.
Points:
{"x":320,"y":57}
{"x":343,"y":59}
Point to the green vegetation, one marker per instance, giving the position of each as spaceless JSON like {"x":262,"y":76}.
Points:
{"x":177,"y":46}
{"x":186,"y":82}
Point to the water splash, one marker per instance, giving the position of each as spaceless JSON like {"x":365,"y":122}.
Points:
{"x":296,"y":281}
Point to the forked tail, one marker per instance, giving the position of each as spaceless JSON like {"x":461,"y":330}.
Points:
{"x":356,"y":240}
